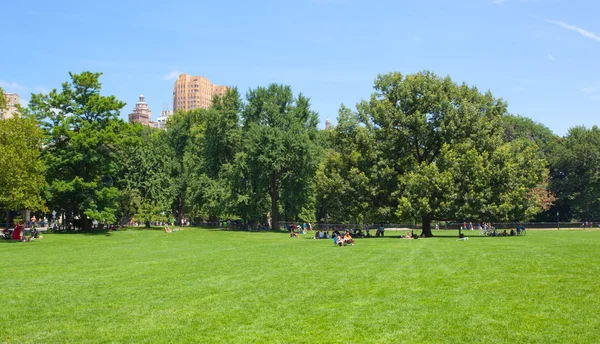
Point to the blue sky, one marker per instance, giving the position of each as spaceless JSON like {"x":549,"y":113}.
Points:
{"x":539,"y":55}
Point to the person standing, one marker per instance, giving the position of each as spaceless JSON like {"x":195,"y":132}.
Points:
{"x":16,"y":234}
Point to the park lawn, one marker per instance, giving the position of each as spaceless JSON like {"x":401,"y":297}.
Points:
{"x":212,"y":286}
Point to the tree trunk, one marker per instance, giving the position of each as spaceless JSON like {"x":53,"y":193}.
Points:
{"x":426,"y":226}
{"x":85,"y":225}
{"x":181,"y":207}
{"x":275,"y":210}
{"x":274,"y":193}
{"x":147,"y":224}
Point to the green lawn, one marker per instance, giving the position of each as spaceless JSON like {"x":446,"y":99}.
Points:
{"x":211,"y":286}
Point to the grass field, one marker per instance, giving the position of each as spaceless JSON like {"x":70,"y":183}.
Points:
{"x":211,"y":286}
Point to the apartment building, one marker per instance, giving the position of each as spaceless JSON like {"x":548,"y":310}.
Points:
{"x":192,"y":92}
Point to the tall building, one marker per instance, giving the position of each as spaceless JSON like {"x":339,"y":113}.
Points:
{"x":192,"y":92}
{"x":141,"y":113}
{"x":12,"y":100}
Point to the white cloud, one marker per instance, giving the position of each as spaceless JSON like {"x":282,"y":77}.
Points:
{"x":41,"y":89}
{"x":589,"y":90}
{"x":579,"y":30}
{"x":11,"y":86}
{"x":173,"y":75}
{"x":550,"y":57}
{"x":593,"y":92}
{"x":499,"y":1}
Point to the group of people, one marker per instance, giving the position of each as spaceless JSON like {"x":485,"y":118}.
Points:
{"x":303,"y":228}
{"x":322,"y":235}
{"x":519,"y":231}
{"x":342,"y":240}
{"x":410,"y":235}
{"x":485,"y":226}
{"x":18,"y":233}
{"x":505,"y":233}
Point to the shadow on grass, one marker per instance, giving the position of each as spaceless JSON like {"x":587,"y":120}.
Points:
{"x":4,"y":241}
{"x":272,"y":231}
{"x":105,"y":232}
{"x":143,"y":228}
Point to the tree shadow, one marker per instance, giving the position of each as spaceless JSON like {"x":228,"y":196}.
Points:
{"x":271,"y":231}
{"x":93,"y":232}
{"x":5,"y":241}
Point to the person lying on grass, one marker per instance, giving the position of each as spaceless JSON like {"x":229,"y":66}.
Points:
{"x":169,"y":230}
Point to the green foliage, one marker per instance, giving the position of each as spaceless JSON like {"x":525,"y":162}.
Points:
{"x":576,"y":174}
{"x":346,"y":176}
{"x":146,"y":163}
{"x":519,"y":127}
{"x":3,"y":102}
{"x":82,"y":134}
{"x":279,"y":155}
{"x":22,"y":180}
{"x":150,"y":212}
{"x":421,"y":148}
{"x":444,"y":144}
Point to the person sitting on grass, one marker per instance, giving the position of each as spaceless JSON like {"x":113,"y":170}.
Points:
{"x":408,"y":235}
{"x":348,"y":239}
{"x":35,"y":233}
{"x":512,"y":232}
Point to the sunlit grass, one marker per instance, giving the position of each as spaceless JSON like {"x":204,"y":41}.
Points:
{"x":211,"y":286}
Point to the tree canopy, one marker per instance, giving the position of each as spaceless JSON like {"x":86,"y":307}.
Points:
{"x":22,"y":182}
{"x":444,"y":145}
{"x":82,"y":134}
{"x":421,"y":148}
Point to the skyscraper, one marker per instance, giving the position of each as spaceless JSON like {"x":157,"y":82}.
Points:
{"x":192,"y":92}
{"x":12,"y":100}
{"x":141,"y":113}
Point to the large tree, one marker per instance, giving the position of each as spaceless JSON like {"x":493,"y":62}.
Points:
{"x":523,"y":128}
{"x":82,"y":133}
{"x":576,"y":174}
{"x":445,"y":144}
{"x":22,"y":180}
{"x":278,"y":155}
{"x":346,"y":189}
{"x":212,"y":146}
{"x":146,"y":171}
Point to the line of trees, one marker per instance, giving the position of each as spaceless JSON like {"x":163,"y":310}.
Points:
{"x":422,"y":148}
